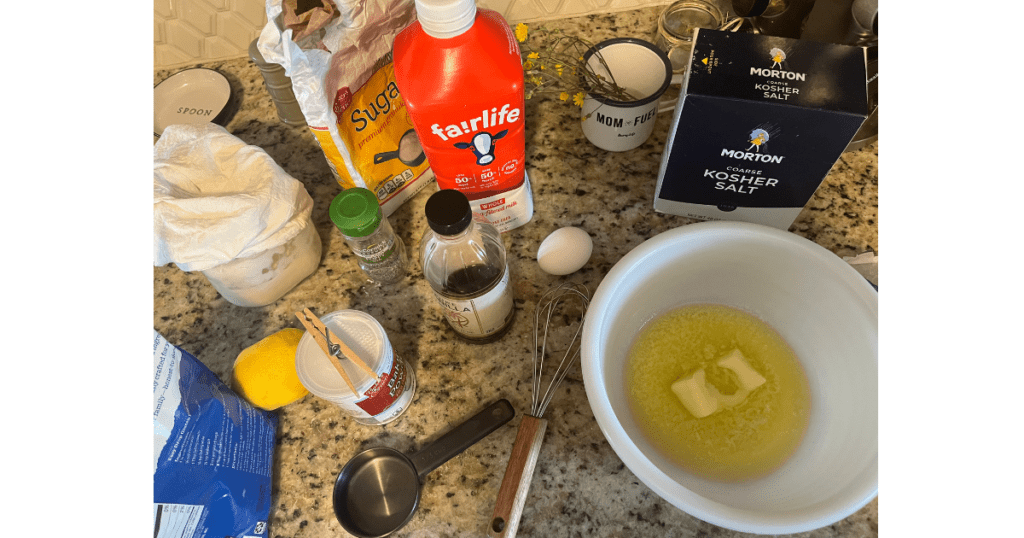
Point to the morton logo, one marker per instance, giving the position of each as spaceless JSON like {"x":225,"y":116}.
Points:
{"x":757,"y":138}
{"x":777,"y":56}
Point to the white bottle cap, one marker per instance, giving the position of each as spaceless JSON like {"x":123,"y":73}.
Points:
{"x":445,"y":18}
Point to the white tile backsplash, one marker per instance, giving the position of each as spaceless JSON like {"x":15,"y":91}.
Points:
{"x":192,"y":31}
{"x":163,"y":9}
{"x":200,"y":16}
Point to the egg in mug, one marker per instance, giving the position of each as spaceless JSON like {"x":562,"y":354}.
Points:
{"x":564,"y":251}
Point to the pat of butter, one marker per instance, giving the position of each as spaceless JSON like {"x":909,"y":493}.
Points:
{"x":701,"y":398}
{"x":729,"y":400}
{"x":693,"y":392}
{"x":749,"y":379}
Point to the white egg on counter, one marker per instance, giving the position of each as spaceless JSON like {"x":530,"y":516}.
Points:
{"x":565,"y":251}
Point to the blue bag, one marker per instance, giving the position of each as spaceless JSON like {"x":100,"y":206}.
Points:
{"x":212,"y":452}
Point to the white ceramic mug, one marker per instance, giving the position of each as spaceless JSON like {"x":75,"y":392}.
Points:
{"x":643,"y":70}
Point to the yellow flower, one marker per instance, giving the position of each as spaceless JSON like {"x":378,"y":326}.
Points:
{"x":542,"y":67}
{"x":578,"y":99}
{"x":558,"y":67}
{"x":563,"y":96}
{"x":521,"y":30}
{"x":527,"y":65}
{"x":536,"y":81}
{"x":533,"y":55}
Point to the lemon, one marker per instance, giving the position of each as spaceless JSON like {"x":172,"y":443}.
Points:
{"x":264,"y":373}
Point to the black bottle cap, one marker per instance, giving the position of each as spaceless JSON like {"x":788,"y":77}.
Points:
{"x":448,"y":212}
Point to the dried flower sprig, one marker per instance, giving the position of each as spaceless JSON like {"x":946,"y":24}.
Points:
{"x":557,"y":67}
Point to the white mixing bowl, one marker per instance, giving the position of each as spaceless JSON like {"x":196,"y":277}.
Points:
{"x":822,"y":307}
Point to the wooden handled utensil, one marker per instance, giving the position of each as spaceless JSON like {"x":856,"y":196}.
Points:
{"x":333,"y":347}
{"x":508,"y":507}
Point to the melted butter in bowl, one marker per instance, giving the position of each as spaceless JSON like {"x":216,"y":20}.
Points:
{"x":746,"y":440}
{"x":745,"y":465}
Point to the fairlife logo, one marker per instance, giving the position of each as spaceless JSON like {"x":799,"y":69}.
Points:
{"x":482,"y":143}
{"x":482,"y":146}
{"x":777,"y":56}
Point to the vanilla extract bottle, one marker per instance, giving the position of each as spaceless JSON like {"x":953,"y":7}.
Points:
{"x":465,"y":264}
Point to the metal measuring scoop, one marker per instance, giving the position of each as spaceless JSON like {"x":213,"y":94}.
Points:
{"x":378,"y":490}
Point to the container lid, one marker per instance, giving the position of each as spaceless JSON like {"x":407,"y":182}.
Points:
{"x":448,"y":212}
{"x":361,"y":332}
{"x":445,"y":18}
{"x":255,"y":55}
{"x":356,"y":212}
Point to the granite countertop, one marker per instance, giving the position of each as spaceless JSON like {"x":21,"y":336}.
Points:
{"x":580,"y":487}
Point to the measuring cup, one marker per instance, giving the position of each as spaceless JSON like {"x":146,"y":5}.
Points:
{"x":378,"y":490}
{"x":409,"y":151}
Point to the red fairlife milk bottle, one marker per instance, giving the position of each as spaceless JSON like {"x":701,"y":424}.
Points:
{"x":460,"y":73}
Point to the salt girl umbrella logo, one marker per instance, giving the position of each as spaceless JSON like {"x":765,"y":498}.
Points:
{"x":757,"y":138}
{"x":777,"y":56}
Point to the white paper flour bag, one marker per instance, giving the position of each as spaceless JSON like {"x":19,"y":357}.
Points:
{"x":225,"y":208}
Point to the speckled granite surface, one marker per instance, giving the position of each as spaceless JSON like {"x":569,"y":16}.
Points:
{"x":580,"y":488}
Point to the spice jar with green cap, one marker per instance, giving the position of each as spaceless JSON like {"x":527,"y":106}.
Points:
{"x":381,"y":253}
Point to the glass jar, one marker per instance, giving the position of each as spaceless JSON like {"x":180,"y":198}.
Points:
{"x":676,"y":25}
{"x":381,"y":254}
{"x":465,"y":264}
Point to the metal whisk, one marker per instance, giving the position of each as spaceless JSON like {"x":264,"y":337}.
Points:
{"x":508,"y":508}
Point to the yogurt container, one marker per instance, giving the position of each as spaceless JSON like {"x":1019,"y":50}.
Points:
{"x":378,"y":401}
{"x":264,"y":278}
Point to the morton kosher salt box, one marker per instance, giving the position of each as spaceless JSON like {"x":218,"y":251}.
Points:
{"x":759,"y":124}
